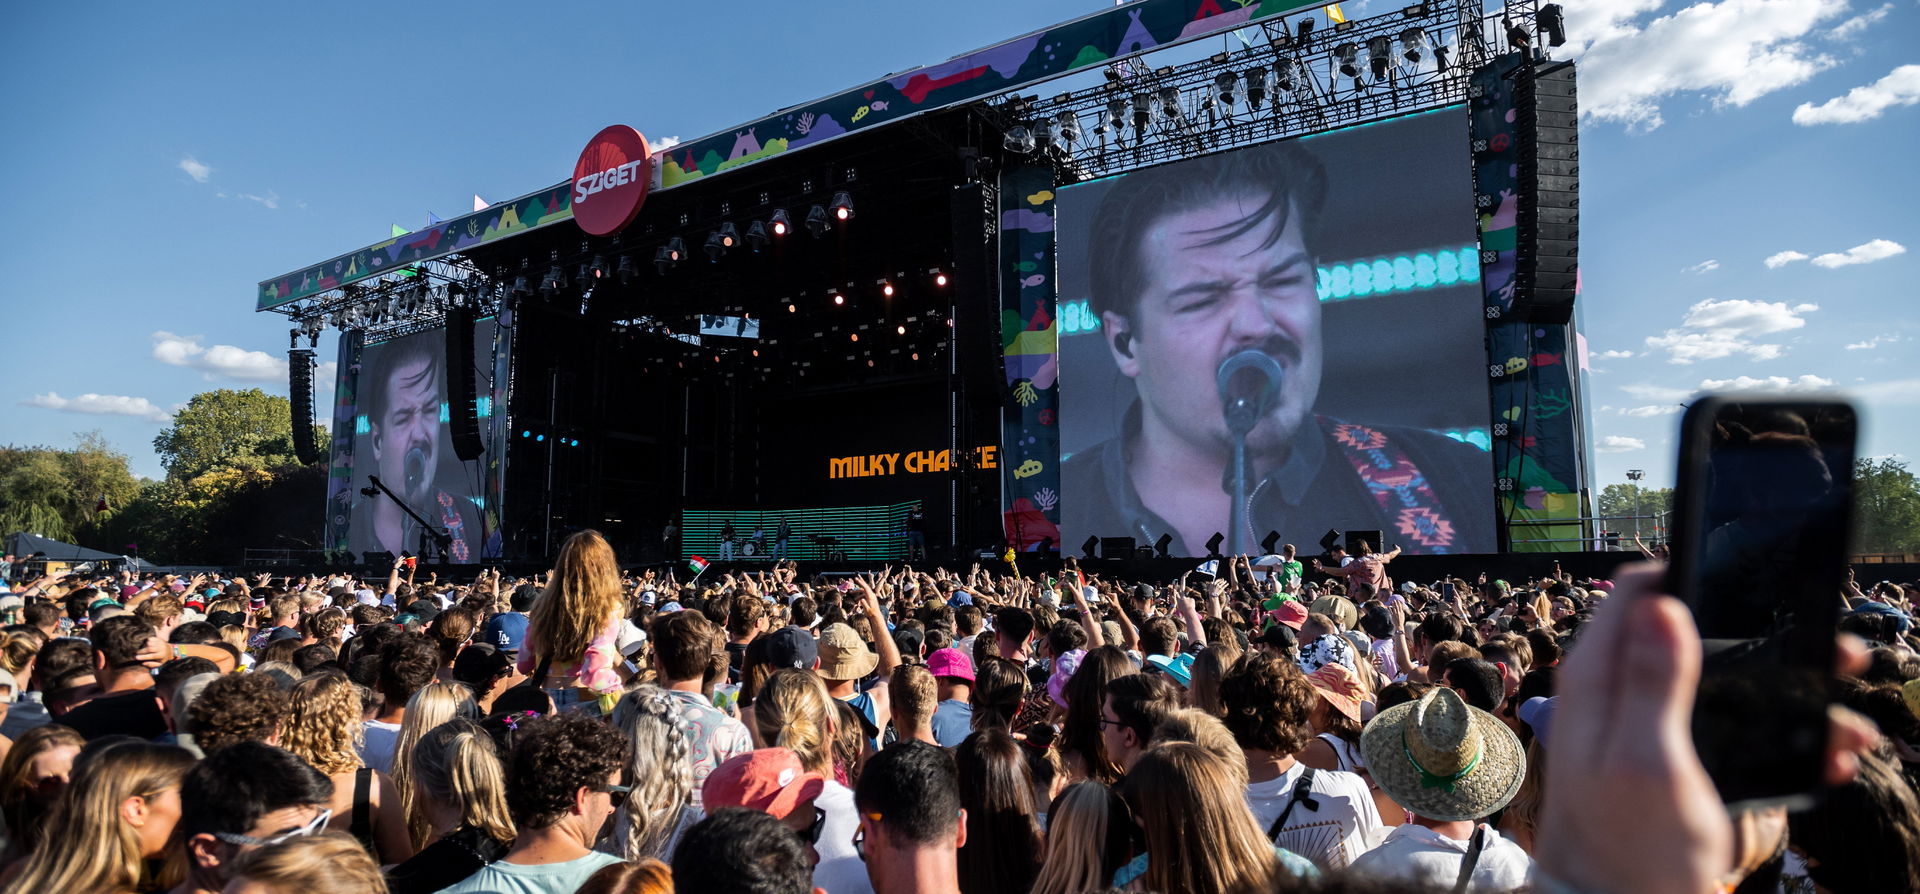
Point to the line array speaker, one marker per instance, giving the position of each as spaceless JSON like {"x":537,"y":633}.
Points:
{"x":1548,"y":143}
{"x":306,"y":447}
{"x":463,"y":417}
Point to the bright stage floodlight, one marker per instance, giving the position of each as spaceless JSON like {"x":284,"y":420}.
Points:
{"x":842,"y":206}
{"x":756,"y":235}
{"x":778,"y":222}
{"x":676,"y":249}
{"x":729,"y":235}
{"x":817,"y":221}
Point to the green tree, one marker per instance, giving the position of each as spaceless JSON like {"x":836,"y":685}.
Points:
{"x":1618,"y":501}
{"x":57,"y":492}
{"x":1886,"y":507}
{"x":227,"y":428}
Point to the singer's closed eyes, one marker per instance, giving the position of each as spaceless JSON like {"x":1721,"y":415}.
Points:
{"x":1194,"y":265}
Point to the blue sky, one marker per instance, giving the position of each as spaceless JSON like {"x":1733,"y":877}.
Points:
{"x":161,"y":161}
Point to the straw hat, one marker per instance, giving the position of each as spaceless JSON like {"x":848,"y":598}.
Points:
{"x":1442,"y":759}
{"x":1340,"y":609}
{"x":843,"y":656}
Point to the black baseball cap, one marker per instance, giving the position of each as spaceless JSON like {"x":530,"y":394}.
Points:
{"x":792,"y":647}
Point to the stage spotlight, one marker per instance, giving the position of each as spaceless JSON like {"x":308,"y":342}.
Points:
{"x":1170,"y":103}
{"x":1304,"y":34}
{"x":676,"y":249}
{"x":779,"y":223}
{"x":1283,"y":76}
{"x":1142,"y":113}
{"x":715,"y":247}
{"x":839,"y":299}
{"x":1517,"y":36}
{"x":1440,"y":58}
{"x":791,"y":308}
{"x":1413,"y":43}
{"x":729,"y":235}
{"x":756,"y":236}
{"x":1379,"y":53}
{"x":842,"y":206}
{"x":521,"y":287}
{"x":886,"y":288}
{"x":556,"y":279}
{"x":598,"y":269}
{"x":663,"y":259}
{"x":1256,"y":80}
{"x":1349,"y":55}
{"x":1088,"y":547}
{"x":900,"y":329}
{"x":939,"y":277}
{"x":540,"y":437}
{"x":1161,"y":546}
{"x":1018,"y":138}
{"x":1226,"y":86}
{"x":1270,"y":543}
{"x":1213,"y":544}
{"x":1553,"y":21}
{"x":1069,"y":125}
{"x":525,"y":433}
{"x":817,"y":221}
{"x":1116,"y":117}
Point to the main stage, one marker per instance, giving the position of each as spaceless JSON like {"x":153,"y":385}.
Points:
{"x":906,"y":319}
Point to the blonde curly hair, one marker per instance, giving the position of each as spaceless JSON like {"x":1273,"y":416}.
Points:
{"x":323,"y":727}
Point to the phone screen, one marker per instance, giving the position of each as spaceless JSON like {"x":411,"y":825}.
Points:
{"x":1760,"y":537}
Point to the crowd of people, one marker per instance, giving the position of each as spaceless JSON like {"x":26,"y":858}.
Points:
{"x":1265,"y":728}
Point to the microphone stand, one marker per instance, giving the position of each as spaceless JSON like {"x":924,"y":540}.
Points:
{"x":440,"y":539}
{"x":1242,"y":416}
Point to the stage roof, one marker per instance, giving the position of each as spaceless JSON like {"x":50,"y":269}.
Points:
{"x":1078,"y":45}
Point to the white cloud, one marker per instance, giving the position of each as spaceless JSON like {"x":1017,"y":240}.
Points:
{"x":196,"y":169}
{"x":1781,"y":384}
{"x":271,"y":199}
{"x":1706,"y":266}
{"x":1716,"y":329}
{"x":1620,"y":444}
{"x":1901,"y":87}
{"x":1653,"y":410}
{"x":1895,"y":392}
{"x":100,"y":405}
{"x":1859,"y":24}
{"x":1865,"y":253}
{"x":1782,"y":259}
{"x":663,"y":144}
{"x":1614,"y":355}
{"x":1873,"y":343}
{"x":1660,"y":393}
{"x":1733,"y":51}
{"x":218,"y":361}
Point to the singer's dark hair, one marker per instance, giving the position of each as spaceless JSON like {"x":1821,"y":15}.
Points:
{"x":377,"y":374}
{"x":1290,"y":178}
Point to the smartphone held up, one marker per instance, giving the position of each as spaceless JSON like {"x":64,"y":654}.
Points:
{"x":1759,"y":534}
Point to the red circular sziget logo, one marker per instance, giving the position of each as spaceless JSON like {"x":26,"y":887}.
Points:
{"x":610,"y":180}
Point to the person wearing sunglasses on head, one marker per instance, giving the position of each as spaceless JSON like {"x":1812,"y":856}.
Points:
{"x":245,"y":796}
{"x":564,"y":783}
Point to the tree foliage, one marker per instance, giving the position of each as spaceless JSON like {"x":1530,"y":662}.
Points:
{"x":56,"y":492}
{"x":1886,"y":507}
{"x":227,"y":428}
{"x":1617,"y":502}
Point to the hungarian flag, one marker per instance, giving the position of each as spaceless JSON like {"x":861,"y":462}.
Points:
{"x":697,"y":564}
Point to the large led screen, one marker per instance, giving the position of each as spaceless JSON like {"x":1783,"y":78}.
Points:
{"x":392,"y":422}
{"x":1349,"y":261}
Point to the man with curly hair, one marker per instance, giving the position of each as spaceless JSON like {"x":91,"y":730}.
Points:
{"x":1326,"y":816}
{"x":563,"y":784}
{"x":237,"y":708}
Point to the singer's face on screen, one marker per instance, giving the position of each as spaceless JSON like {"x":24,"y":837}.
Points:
{"x":409,"y":420}
{"x":1207,"y":298}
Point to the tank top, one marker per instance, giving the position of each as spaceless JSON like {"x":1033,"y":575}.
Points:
{"x":1347,"y":753}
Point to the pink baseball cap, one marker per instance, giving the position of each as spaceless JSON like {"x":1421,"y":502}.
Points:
{"x":770,"y":780}
{"x":950,"y":663}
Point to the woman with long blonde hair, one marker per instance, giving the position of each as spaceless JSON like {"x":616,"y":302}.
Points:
{"x":573,"y":628}
{"x":32,"y":776}
{"x":794,"y":711}
{"x":460,"y":786}
{"x":660,"y":772}
{"x":328,"y":863}
{"x":433,"y":705}
{"x":323,"y":728}
{"x":1201,"y":838}
{"x":1090,"y":835}
{"x":118,"y":813}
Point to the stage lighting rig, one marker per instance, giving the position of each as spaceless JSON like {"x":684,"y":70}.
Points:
{"x":1170,"y":103}
{"x":663,"y":259}
{"x":624,"y":270}
{"x":778,"y":222}
{"x":1379,"y":55}
{"x":1226,"y":87}
{"x":1256,"y":81}
{"x":817,"y":221}
{"x":1018,"y":138}
{"x":556,"y":278}
{"x":842,"y":206}
{"x":1069,"y":125}
{"x":1114,"y":118}
{"x":522,"y":288}
{"x":756,"y":236}
{"x":598,"y":267}
{"x":1304,"y":36}
{"x":1349,"y":55}
{"x":1142,"y":113}
{"x":939,"y":277}
{"x":1553,"y":21}
{"x":729,"y":234}
{"x":1413,"y":44}
{"x":715,"y":247}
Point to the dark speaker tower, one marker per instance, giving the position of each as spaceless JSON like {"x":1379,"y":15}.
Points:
{"x":463,"y":424}
{"x":1546,"y":128}
{"x":300,"y":396}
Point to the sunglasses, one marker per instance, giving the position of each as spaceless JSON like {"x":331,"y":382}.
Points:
{"x":312,"y":827}
{"x":616,"y":794}
{"x":819,"y":824}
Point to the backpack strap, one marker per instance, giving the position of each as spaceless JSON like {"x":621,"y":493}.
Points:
{"x":1302,"y":794}
{"x":1471,"y":861}
{"x":361,"y":828}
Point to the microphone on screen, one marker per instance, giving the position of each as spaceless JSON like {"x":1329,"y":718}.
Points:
{"x":1249,"y":383}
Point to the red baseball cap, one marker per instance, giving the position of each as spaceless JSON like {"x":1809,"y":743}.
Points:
{"x":950,"y":663}
{"x":770,"y":780}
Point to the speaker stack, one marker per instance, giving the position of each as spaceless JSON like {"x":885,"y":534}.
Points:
{"x":300,"y":391}
{"x":1547,"y":138}
{"x":463,"y":423}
